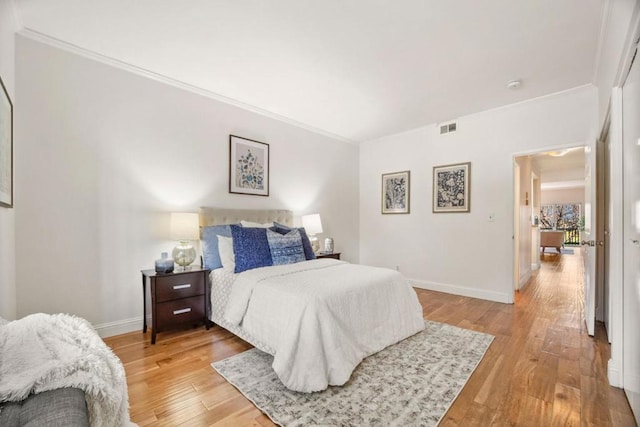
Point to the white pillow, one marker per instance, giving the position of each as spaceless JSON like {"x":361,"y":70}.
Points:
{"x":227,"y":258}
{"x":256,"y":225}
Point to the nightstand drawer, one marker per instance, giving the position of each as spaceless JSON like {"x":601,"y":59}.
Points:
{"x":334,"y":255}
{"x":180,"y":311}
{"x":179,"y":286}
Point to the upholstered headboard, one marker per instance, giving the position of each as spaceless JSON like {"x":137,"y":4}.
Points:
{"x":217,"y":216}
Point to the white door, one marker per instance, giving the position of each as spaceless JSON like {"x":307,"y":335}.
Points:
{"x":631,"y":235}
{"x":590,"y":231}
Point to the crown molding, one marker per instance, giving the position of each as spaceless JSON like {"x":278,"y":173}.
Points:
{"x":116,"y":63}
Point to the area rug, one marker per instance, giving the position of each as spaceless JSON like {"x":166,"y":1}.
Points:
{"x":566,"y":251}
{"x":413,"y":382}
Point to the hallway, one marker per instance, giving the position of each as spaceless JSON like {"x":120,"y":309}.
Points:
{"x":542,"y":368}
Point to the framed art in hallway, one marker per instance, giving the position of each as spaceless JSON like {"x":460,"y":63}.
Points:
{"x":6,"y":148}
{"x":396,"y":192}
{"x":248,"y":166}
{"x":451,"y":188}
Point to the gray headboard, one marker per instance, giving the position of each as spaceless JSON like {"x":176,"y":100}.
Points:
{"x":217,"y":216}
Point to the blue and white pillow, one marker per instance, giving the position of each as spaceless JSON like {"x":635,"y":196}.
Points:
{"x":250,"y":248}
{"x":285,"y":248}
{"x":306,"y":243}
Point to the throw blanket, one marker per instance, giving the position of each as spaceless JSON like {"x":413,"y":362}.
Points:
{"x":44,"y":352}
{"x":327,"y":316}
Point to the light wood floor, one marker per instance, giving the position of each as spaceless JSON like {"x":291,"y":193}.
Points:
{"x":541,"y":370}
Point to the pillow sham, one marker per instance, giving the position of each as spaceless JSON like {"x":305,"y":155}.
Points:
{"x":285,"y":248}
{"x":210,"y":250}
{"x":306,"y":243}
{"x":250,"y":248}
{"x":225,"y":245}
{"x":256,"y":225}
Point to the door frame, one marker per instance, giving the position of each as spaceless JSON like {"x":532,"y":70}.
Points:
{"x":516,"y":197}
{"x":516,"y":225}
{"x":615,"y":370}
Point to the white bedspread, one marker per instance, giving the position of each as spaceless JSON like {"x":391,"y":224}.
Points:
{"x":333,"y":315}
{"x":42,"y":352}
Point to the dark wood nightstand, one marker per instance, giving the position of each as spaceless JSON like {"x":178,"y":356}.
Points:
{"x":334,"y":255}
{"x":177,"y":299}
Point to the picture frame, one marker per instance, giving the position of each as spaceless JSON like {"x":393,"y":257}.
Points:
{"x":396,"y":192}
{"x":6,"y":148}
{"x":452,"y":188}
{"x":248,"y":166}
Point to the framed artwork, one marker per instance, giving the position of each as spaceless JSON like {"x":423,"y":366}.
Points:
{"x":395,"y":192}
{"x":248,"y":166}
{"x":6,"y":148}
{"x":451,"y":188}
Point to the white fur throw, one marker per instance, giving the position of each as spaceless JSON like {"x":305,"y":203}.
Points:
{"x":44,"y":352}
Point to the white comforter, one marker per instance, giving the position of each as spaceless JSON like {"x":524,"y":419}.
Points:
{"x":332,"y":314}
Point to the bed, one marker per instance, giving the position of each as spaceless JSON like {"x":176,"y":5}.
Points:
{"x":319,"y":318}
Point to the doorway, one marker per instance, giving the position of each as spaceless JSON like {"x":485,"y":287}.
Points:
{"x":548,"y":196}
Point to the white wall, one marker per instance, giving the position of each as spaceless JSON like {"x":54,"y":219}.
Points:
{"x":464,"y":253}
{"x":564,"y":195}
{"x":8,"y":26}
{"x":105,"y":155}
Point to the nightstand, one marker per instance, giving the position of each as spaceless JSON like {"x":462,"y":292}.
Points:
{"x":334,"y":255}
{"x":177,"y":298}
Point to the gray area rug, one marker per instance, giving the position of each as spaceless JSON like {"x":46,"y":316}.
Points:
{"x":413,"y":382}
{"x":566,"y":251}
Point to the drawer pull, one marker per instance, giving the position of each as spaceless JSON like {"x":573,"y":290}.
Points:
{"x":176,"y":287}
{"x":182,"y":311}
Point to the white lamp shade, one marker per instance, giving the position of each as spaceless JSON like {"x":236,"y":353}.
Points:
{"x":185,"y":226}
{"x":312,"y":224}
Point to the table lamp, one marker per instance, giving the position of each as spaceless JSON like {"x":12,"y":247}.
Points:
{"x":184,"y":228}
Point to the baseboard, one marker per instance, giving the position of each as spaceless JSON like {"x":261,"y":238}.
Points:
{"x":463,"y":291}
{"x":524,"y":279}
{"x":119,"y":327}
{"x":535,"y":267}
{"x":613,"y":373}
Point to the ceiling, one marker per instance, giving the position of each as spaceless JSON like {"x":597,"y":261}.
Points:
{"x":560,"y":172}
{"x":357,"y":69}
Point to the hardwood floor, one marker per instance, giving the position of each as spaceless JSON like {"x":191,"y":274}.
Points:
{"x":541,"y":370}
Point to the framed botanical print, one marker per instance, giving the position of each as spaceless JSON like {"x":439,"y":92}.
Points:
{"x":248,"y":166}
{"x":451,"y":188}
{"x":396,"y":192}
{"x":6,"y":148}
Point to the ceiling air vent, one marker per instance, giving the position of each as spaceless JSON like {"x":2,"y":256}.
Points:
{"x":448,"y":128}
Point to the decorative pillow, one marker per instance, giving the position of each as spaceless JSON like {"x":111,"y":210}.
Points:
{"x":210,"y":251}
{"x":285,"y":248}
{"x":255,"y":224}
{"x":306,"y":243}
{"x":225,"y":245}
{"x":250,"y":247}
